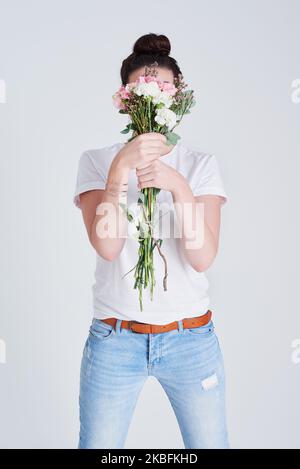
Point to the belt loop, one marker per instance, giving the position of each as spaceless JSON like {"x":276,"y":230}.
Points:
{"x":118,"y":326}
{"x":180,"y":325}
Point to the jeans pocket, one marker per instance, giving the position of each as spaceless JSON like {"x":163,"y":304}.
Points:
{"x":206,"y":330}
{"x":100,"y":329}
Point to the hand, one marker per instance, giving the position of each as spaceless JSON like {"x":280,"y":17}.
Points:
{"x":160,"y":175}
{"x":142,"y":150}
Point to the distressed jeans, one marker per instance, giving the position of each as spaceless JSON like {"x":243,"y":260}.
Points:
{"x":188,"y":364}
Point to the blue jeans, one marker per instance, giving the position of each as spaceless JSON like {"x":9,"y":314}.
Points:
{"x":188,"y":363}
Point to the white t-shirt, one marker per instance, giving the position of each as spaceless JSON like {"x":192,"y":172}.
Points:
{"x":186,"y":294}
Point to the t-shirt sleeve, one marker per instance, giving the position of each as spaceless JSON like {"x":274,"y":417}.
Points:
{"x":89,"y":177}
{"x":207,"y":178}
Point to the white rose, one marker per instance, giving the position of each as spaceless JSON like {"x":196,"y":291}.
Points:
{"x":164,"y":98}
{"x":166,"y":117}
{"x":147,"y":89}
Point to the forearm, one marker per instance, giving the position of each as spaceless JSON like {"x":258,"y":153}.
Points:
{"x":196,"y":238}
{"x":109,"y":228}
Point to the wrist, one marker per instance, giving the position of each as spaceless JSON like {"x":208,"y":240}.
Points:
{"x":181,"y":185}
{"x":119,"y":164}
{"x":117,"y":178}
{"x":118,"y":174}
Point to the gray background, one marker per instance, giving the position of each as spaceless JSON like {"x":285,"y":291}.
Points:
{"x":60,"y":61}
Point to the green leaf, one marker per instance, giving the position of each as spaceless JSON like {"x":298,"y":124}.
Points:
{"x":172,"y":138}
{"x":127,"y":128}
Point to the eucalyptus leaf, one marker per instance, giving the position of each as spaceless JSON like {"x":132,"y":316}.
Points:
{"x":127,"y":128}
{"x":172,"y":138}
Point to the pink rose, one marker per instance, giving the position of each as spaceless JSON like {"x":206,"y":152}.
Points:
{"x":124,"y":92}
{"x":117,"y":101}
{"x":168,"y":88}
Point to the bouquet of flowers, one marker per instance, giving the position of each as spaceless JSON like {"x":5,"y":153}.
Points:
{"x":153,"y":106}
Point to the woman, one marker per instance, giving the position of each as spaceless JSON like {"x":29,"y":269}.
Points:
{"x":173,"y":338}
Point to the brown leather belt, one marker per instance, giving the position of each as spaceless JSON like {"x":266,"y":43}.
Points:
{"x":145,"y":328}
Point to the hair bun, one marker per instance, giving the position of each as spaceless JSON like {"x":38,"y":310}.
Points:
{"x":152,"y":44}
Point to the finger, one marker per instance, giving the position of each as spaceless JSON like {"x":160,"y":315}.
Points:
{"x":144,"y":170}
{"x":146,"y":164}
{"x":157,"y":135}
{"x":144,"y":185}
{"x":146,"y":177}
{"x":166,"y":149}
{"x":155,"y":146}
{"x":154,"y":136}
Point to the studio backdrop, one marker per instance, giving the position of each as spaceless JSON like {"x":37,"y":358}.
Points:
{"x":59,"y":66}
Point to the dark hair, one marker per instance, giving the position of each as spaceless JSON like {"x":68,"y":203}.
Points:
{"x":148,"y":49}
